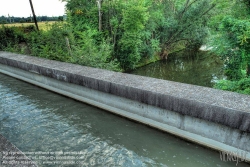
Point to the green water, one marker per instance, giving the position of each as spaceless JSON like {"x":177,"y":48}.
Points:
{"x":36,"y":120}
{"x":192,"y":68}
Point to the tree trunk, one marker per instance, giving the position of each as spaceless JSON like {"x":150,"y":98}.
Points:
{"x":99,"y":3}
{"x":164,"y":54}
{"x":248,"y":70}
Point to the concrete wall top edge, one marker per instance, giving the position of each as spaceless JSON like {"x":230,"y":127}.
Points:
{"x":143,"y":89}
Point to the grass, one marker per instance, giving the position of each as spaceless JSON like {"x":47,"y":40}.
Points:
{"x":41,"y":25}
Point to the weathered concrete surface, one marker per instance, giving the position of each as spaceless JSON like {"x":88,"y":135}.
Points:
{"x":11,"y":156}
{"x":215,"y":118}
{"x":227,"y":108}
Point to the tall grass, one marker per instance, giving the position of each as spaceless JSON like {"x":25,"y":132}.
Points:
{"x":41,"y":25}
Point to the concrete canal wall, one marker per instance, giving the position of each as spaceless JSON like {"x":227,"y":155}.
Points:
{"x":214,"y":118}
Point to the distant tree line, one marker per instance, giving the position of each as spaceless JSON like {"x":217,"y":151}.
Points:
{"x":11,"y":19}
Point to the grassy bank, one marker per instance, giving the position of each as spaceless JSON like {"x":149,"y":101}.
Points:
{"x":41,"y":25}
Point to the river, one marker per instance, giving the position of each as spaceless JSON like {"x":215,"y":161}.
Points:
{"x":198,"y":68}
{"x":37,"y":120}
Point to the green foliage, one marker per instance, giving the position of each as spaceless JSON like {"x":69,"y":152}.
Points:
{"x":88,"y":53}
{"x":134,"y":18}
{"x":10,"y":37}
{"x":82,"y":12}
{"x":232,"y":44}
{"x":59,"y":43}
{"x":140,"y":29}
{"x":120,"y":35}
{"x":233,"y":47}
{"x":13,"y":20}
{"x":49,"y":44}
{"x":241,"y":86}
{"x":185,"y":22}
{"x":60,"y":18}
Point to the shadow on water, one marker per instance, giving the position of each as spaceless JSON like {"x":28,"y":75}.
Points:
{"x":200,"y":68}
{"x":35,"y":119}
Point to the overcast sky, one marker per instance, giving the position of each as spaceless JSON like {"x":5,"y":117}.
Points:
{"x":21,"y":8}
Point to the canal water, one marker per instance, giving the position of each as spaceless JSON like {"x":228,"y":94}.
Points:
{"x":39,"y":121}
{"x":199,"y":68}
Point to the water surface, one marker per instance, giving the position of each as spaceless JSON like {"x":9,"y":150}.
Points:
{"x":193,"y":68}
{"x":35,"y":120}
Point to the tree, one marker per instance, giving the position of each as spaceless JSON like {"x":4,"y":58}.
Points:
{"x":232,"y":39}
{"x":138,"y":29}
{"x":60,"y":18}
{"x":183,"y":22}
{"x":231,"y":43}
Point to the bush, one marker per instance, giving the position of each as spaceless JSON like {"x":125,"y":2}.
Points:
{"x":59,"y":43}
{"x":10,"y":37}
{"x":87,"y":52}
{"x":49,"y":44}
{"x":241,"y":86}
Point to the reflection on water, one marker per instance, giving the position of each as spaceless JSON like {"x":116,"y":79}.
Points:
{"x":38,"y":120}
{"x":200,"y":69}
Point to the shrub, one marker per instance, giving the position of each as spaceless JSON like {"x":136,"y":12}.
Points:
{"x":241,"y":86}
{"x":59,"y":43}
{"x":49,"y":44}
{"x":10,"y":37}
{"x":87,"y":52}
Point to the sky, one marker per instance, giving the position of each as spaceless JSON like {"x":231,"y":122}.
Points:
{"x":21,"y":8}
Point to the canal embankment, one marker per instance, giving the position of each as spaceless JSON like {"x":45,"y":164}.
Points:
{"x":214,"y":118}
